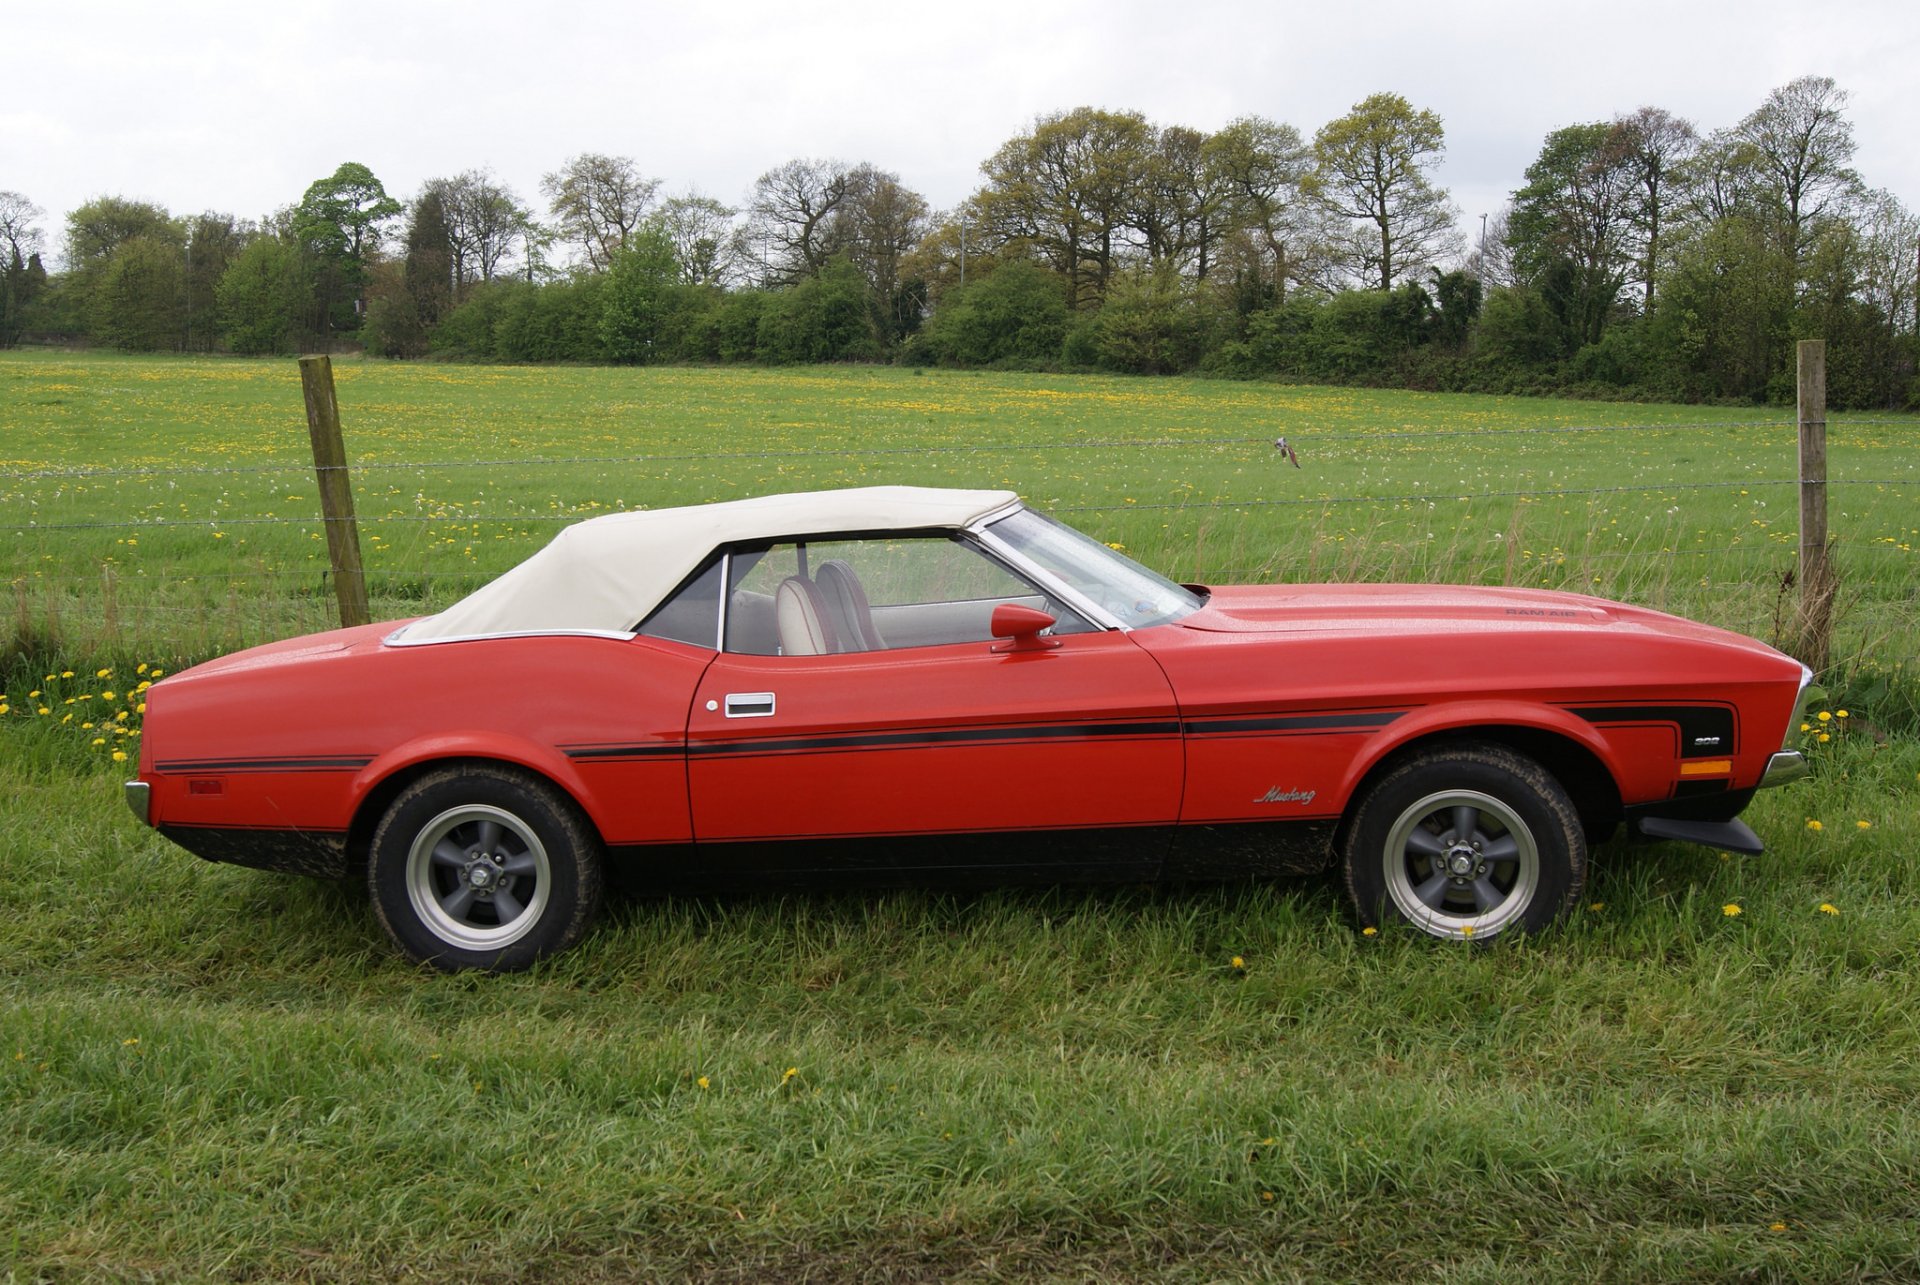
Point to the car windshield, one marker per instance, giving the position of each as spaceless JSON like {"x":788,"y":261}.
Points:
{"x":1134,"y":595}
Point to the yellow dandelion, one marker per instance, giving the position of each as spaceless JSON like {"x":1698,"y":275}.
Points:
{"x":1239,"y":962}
{"x":789,"y":1073}
{"x":1776,"y":1226}
{"x":33,"y":695}
{"x":157,"y":672}
{"x":99,"y":740}
{"x":66,"y":673}
{"x":1863,"y":825}
{"x":1806,"y":727}
{"x":141,"y":668}
{"x":1267,"y":1196}
{"x":1731,"y":909}
{"x":1828,"y":908}
{"x":1825,"y":737}
{"x":101,"y":673}
{"x":4,"y":707}
{"x":1597,"y":905}
{"x":1369,"y":931}
{"x":141,"y":708}
{"x":1466,"y":930}
{"x":106,"y":696}
{"x":702,"y":1082}
{"x":1825,"y":717}
{"x":130,"y":1041}
{"x":119,"y":756}
{"x":1814,"y":826}
{"x":1839,"y":713}
{"x":45,"y":710}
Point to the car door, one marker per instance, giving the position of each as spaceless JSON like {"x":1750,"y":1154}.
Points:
{"x":893,"y":731}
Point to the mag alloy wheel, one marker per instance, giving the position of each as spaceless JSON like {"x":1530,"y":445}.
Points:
{"x":484,"y":866}
{"x":1464,"y":842}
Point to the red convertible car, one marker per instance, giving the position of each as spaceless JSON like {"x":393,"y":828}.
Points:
{"x":905,"y":684}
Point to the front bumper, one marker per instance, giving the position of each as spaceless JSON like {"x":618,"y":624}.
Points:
{"x":1785,"y":766}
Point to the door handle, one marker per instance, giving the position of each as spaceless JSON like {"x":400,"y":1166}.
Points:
{"x":749,"y":704}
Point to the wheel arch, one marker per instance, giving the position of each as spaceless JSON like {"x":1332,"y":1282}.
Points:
{"x":1567,"y":750}
{"x":385,"y":779}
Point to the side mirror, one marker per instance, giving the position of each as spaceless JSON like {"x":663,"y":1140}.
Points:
{"x":1023,"y":625}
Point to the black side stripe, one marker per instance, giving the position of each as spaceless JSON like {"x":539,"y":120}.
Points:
{"x":1294,"y":722}
{"x":941,"y":736}
{"x":1706,"y":731}
{"x":611,"y":753}
{"x":327,"y":763}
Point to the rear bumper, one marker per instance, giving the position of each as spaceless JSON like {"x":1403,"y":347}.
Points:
{"x":139,"y":800}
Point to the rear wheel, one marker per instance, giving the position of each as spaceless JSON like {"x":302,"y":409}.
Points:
{"x":1466,"y":841}
{"x":478,"y":866}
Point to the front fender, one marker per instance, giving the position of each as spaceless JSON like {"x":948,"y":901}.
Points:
{"x":1462,"y":716}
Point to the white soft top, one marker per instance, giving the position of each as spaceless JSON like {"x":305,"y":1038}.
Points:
{"x":606,"y":574}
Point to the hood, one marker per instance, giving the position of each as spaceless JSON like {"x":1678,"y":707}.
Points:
{"x":1410,"y":609}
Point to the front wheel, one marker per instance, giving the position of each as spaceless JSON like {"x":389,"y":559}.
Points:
{"x":481,"y":866}
{"x":1465,"y":842}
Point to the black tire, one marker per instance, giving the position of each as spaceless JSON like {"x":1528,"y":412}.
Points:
{"x":1466,"y":842}
{"x":483,"y":866}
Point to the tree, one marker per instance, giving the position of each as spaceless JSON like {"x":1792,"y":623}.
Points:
{"x":340,"y":222}
{"x":824,"y":318}
{"x":1797,"y":145}
{"x":138,"y":301}
{"x":599,"y":201}
{"x":791,"y":229}
{"x":261,"y":296}
{"x":1723,"y":315}
{"x":429,"y":274}
{"x":643,"y":304}
{"x":879,"y":224}
{"x":99,"y":227}
{"x":1064,"y":192}
{"x":1372,"y":169}
{"x":1571,"y":226}
{"x":483,"y":220}
{"x":1266,"y":171}
{"x":19,"y":257}
{"x":1655,"y":147}
{"x":1015,"y":315}
{"x":700,"y":229}
{"x":213,"y":241}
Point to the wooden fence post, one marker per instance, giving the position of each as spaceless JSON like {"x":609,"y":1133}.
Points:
{"x":1814,"y":628}
{"x":336,"y":495}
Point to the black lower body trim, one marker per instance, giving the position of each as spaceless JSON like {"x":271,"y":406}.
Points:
{"x":1132,"y":854}
{"x":319,"y":853}
{"x":1721,"y":805}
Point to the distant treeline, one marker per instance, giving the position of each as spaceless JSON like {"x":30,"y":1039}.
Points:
{"x":1638,"y":257}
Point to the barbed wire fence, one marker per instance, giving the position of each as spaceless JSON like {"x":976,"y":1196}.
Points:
{"x":264,"y":592}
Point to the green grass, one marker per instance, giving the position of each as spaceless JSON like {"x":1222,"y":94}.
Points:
{"x":209,"y":1072}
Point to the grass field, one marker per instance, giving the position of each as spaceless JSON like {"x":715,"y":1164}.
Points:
{"x":208,"y":1072}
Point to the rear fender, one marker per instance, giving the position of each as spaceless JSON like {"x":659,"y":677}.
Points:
{"x":542,"y":760}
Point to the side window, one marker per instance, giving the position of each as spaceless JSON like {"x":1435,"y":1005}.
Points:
{"x":834,"y":596}
{"x":692,"y":614}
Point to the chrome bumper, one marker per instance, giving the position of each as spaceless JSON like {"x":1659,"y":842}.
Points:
{"x":1787,"y":765}
{"x":138,"y":794}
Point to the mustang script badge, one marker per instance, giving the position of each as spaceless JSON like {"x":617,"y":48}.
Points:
{"x":1278,"y":795}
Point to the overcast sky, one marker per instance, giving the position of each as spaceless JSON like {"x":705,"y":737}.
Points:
{"x":238,"y":106}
